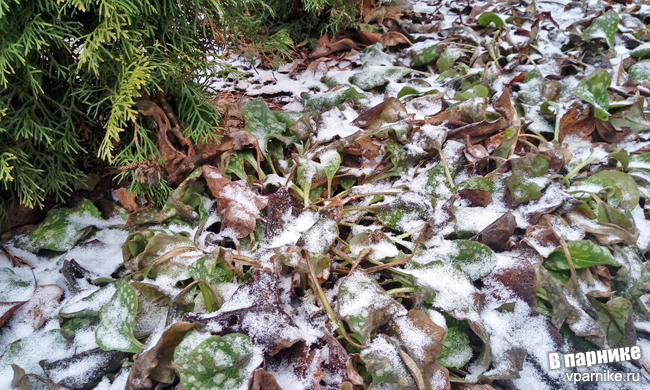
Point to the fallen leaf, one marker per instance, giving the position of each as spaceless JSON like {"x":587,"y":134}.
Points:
{"x":367,"y":37}
{"x":156,"y":365}
{"x":393,"y":38}
{"x":499,"y":233}
{"x":574,"y":122}
{"x":126,"y":198}
{"x":238,"y":206}
{"x":333,"y":47}
{"x":262,"y":380}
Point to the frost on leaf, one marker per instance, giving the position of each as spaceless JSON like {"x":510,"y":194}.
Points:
{"x":117,"y":321}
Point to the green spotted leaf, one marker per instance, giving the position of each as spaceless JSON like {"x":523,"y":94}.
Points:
{"x":261,"y":122}
{"x":117,"y":321}
{"x":525,"y":184}
{"x":63,"y":228}
{"x":532,"y":89}
{"x":619,"y":189}
{"x":373,"y":77}
{"x":633,"y":118}
{"x":364,"y":305}
{"x":332,"y":98}
{"x":475,"y":259}
{"x":217,"y":362}
{"x":640,"y":71}
{"x":13,"y":287}
{"x":448,"y":59}
{"x":392,"y":373}
{"x":641,"y":51}
{"x":593,"y":90}
{"x":584,"y":254}
{"x":485,"y":183}
{"x":456,"y":348}
{"x":603,"y":27}
{"x":426,"y":57}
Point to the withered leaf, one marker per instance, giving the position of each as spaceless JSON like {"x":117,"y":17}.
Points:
{"x":94,"y":364}
{"x":238,"y":206}
{"x":427,"y":351}
{"x":333,"y":47}
{"x":499,"y":233}
{"x":7,"y":309}
{"x":580,"y":124}
{"x":156,"y":365}
{"x":261,"y":318}
{"x":280,"y":205}
{"x":393,"y":38}
{"x":477,"y":196}
{"x":126,"y":198}
{"x":262,"y":380}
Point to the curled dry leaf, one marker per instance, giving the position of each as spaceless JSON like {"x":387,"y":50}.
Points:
{"x":126,"y":198}
{"x":580,"y":124}
{"x":178,"y":163}
{"x":238,"y":206}
{"x":499,"y":233}
{"x":262,"y":380}
{"x":393,"y":38}
{"x":368,"y":37}
{"x":156,"y":365}
{"x":333,"y":47}
{"x":7,"y":309}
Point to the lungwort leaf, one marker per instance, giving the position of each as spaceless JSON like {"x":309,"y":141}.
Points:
{"x":584,"y":253}
{"x":603,"y":27}
{"x":640,"y":71}
{"x":525,"y":184}
{"x":634,"y":117}
{"x":620,"y":189}
{"x":593,"y":90}
{"x":613,"y":319}
{"x":426,"y":57}
{"x":364,"y":305}
{"x":261,"y":122}
{"x":474,"y":258}
{"x":115,"y":330}
{"x":63,"y":228}
{"x":456,"y":348}
{"x":219,"y":362}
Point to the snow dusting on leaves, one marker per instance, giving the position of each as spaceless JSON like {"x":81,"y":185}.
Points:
{"x":435,"y":201}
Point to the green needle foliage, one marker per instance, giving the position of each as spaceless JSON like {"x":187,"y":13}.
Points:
{"x":73,"y":72}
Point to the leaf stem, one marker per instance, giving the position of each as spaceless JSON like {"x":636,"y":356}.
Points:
{"x":446,"y":167}
{"x":402,"y":290}
{"x":578,"y":167}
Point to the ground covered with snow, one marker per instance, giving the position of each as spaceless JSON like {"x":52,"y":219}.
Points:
{"x":437,"y":201}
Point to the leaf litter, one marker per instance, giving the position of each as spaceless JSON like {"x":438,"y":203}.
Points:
{"x":437,"y":204}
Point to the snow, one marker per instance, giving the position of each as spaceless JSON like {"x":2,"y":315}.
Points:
{"x":337,"y":123}
{"x":455,"y":293}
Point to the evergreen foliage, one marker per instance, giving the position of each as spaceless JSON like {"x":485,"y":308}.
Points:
{"x":72,"y":74}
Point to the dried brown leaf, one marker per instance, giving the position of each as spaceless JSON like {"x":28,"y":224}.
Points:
{"x":393,"y":38}
{"x":574,"y":122}
{"x":477,"y":197}
{"x":262,"y":380}
{"x":499,"y":233}
{"x":238,"y":206}
{"x":156,"y":365}
{"x":333,"y":47}
{"x":126,"y":198}
{"x":7,"y":309}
